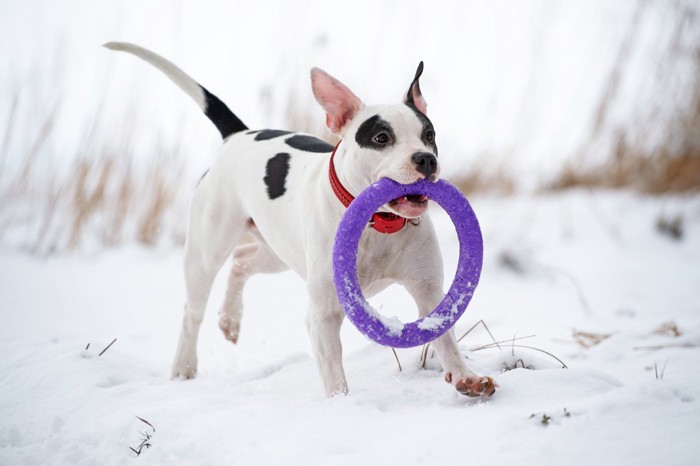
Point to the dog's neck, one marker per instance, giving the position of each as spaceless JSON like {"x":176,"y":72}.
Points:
{"x":383,"y":222}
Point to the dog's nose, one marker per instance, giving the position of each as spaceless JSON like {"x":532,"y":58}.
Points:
{"x":426,"y":163}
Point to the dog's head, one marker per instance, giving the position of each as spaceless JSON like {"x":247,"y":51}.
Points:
{"x":380,"y":141}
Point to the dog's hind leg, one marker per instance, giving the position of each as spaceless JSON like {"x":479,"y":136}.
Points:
{"x":248,"y":258}
{"x":323,"y":323}
{"x":210,"y":240}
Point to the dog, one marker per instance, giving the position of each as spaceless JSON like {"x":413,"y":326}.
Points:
{"x":288,"y":191}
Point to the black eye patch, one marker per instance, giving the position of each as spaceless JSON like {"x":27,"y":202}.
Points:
{"x":368,"y":132}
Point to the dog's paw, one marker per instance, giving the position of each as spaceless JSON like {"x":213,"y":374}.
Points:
{"x":231,"y":328}
{"x":184,"y":371}
{"x":472,"y":385}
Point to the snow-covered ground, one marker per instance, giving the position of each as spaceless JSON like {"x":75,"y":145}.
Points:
{"x":590,"y":262}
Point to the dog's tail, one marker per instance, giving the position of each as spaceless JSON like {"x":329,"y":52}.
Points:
{"x":226,"y":122}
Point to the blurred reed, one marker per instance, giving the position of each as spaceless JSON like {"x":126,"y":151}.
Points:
{"x":110,"y":196}
{"x":671,"y":165}
{"x":101,"y":200}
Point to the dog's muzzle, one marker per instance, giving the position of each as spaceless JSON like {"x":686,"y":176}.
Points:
{"x":425,"y":163}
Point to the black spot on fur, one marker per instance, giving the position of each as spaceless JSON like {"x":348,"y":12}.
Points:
{"x":368,"y":132}
{"x":255,"y":131}
{"x":223,"y":118}
{"x":276,"y":173}
{"x":309,"y":144}
{"x":266,"y":134}
{"x":427,"y":126}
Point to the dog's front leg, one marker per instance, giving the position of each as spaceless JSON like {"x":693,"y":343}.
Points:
{"x":428,"y":295}
{"x":323,"y":322}
{"x":457,"y":373}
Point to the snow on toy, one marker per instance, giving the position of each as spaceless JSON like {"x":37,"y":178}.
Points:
{"x":390,"y":332}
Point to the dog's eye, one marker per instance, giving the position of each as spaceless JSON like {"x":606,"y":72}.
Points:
{"x":429,"y":135}
{"x":381,"y":138}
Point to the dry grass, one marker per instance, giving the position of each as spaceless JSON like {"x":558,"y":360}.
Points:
{"x":670,"y":165}
{"x":145,"y":438}
{"x":109,"y":195}
{"x":652,"y":174}
{"x":427,"y":353}
{"x":589,"y":339}
{"x":106,"y":198}
{"x":88,"y":195}
{"x":483,"y":178}
{"x":669,"y":328}
{"x":101,"y":199}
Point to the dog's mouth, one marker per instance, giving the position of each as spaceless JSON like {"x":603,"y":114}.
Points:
{"x":412,"y":206}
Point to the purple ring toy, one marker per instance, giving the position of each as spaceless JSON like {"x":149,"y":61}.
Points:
{"x":390,"y":332}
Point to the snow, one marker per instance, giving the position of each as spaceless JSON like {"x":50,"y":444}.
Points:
{"x":592,"y":262}
{"x":434,"y":322}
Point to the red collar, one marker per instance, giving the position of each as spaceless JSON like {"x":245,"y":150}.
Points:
{"x":383,"y":222}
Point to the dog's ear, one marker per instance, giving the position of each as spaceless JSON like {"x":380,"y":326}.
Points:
{"x":340,"y":104}
{"x":414,"y":96}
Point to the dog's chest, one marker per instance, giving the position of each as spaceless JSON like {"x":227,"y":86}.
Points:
{"x":380,"y":256}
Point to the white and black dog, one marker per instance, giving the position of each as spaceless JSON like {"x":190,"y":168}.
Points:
{"x":288,"y":191}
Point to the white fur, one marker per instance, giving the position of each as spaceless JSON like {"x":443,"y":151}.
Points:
{"x":231,"y":214}
{"x":179,"y":77}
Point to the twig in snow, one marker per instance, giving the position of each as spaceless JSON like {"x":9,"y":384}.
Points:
{"x":146,"y":437}
{"x":563,"y":365}
{"x":522,"y":364}
{"x":147,"y":423}
{"x":513,"y":345}
{"x":669,"y":328}
{"x":107,"y":347}
{"x":144,"y":444}
{"x":485,"y":327}
{"x":396,"y":356}
{"x":589,"y":339}
{"x":660,"y":375}
{"x":424,"y":352}
{"x":496,"y":344}
{"x":658,"y":347}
